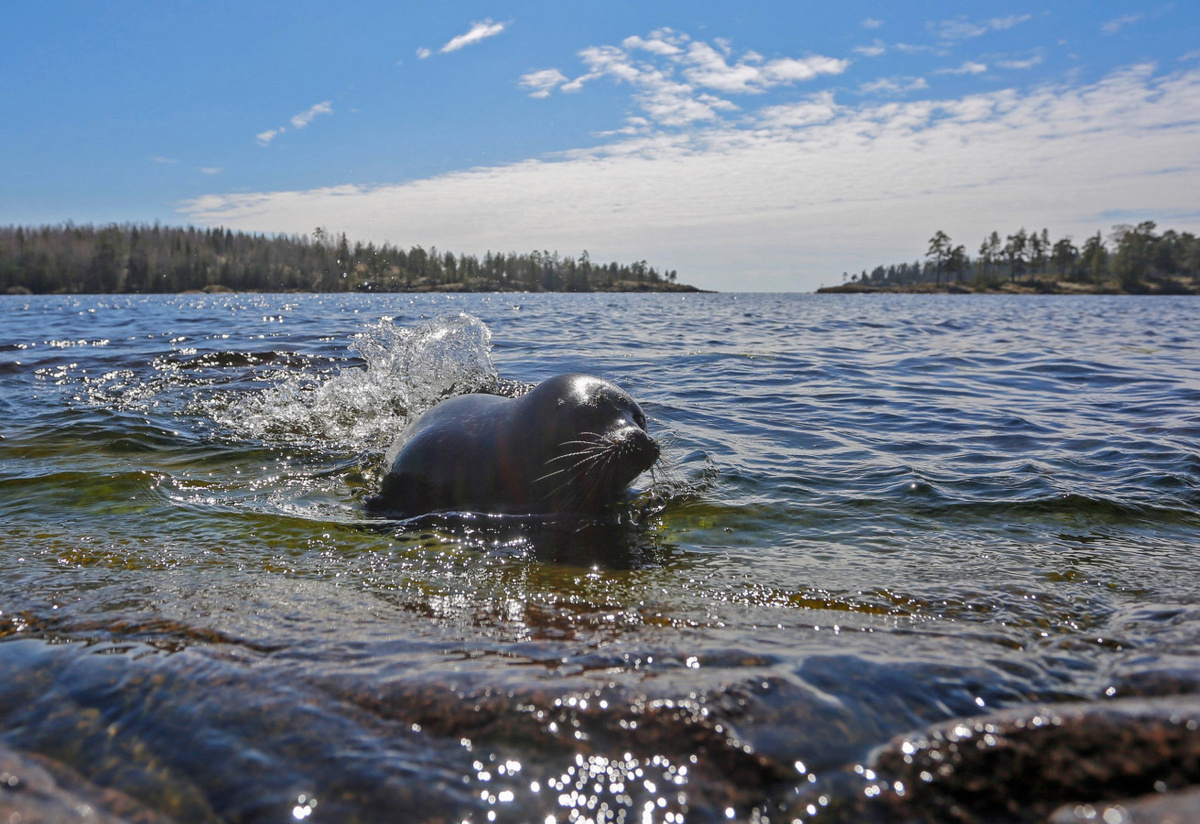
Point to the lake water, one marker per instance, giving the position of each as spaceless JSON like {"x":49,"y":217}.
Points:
{"x":873,"y":513}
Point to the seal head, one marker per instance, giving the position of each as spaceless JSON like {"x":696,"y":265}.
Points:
{"x":572,"y":444}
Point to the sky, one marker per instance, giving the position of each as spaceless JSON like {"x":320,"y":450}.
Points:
{"x":755,"y":146}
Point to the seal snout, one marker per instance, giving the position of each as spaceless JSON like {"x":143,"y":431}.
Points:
{"x":641,"y":449}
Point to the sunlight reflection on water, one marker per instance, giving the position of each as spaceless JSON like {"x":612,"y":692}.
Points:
{"x":874,"y":513}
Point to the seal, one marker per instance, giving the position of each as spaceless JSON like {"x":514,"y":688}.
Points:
{"x":572,"y":444}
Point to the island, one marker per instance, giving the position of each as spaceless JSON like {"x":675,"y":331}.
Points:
{"x":1133,"y":260}
{"x":146,"y":259}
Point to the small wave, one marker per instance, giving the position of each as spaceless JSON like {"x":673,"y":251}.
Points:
{"x":676,"y":478}
{"x":227,"y":360}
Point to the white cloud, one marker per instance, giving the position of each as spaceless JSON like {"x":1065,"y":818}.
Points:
{"x":1192,"y":55}
{"x":788,"y":69}
{"x":265,"y":138}
{"x":163,"y":161}
{"x":542,"y":82}
{"x":894,"y":85}
{"x":820,"y":108}
{"x":298,"y":121}
{"x":968,"y":67}
{"x":609,"y":60}
{"x":670,"y":103}
{"x":958,"y":29}
{"x":962,"y":29}
{"x":478,"y":31}
{"x":708,"y":67}
{"x":657,"y":44}
{"x":910,"y":48}
{"x":211,"y":170}
{"x":1002,"y":23}
{"x":1115,"y":25}
{"x":799,"y":193}
{"x":301,"y":120}
{"x":872,"y":23}
{"x":677,"y":80}
{"x":1027,"y":63}
{"x":876,"y":49}
{"x":577,"y":84}
{"x":423,"y":52}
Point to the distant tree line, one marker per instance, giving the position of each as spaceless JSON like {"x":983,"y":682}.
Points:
{"x":147,"y":259}
{"x":1133,"y":259}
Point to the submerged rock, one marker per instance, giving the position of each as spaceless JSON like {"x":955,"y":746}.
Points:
{"x":1029,"y":763}
{"x":1161,"y":808}
{"x":36,"y":789}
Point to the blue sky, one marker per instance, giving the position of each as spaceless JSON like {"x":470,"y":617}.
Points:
{"x":753,"y":146}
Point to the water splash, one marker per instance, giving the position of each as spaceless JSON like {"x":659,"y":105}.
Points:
{"x":447,"y":356}
{"x":408,"y":370}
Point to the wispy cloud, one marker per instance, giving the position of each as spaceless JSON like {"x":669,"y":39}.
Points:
{"x":962,"y":29}
{"x":1013,"y":20}
{"x":163,"y":161}
{"x":655,"y":44}
{"x":423,"y":52}
{"x":1026,"y":63}
{"x":211,"y":170}
{"x":706,"y":67}
{"x":782,"y":195}
{"x":478,"y":32}
{"x":872,"y":23}
{"x":968,"y":67}
{"x":876,"y":49}
{"x":543,"y":82}
{"x":789,"y":69}
{"x":678,"y":80}
{"x":301,"y":120}
{"x":298,"y":121}
{"x":1115,"y":25}
{"x":894,"y":85}
{"x":820,"y":108}
{"x":914,"y":48}
{"x":265,"y":138}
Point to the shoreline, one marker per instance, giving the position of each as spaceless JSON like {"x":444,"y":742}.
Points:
{"x":451,"y":288}
{"x":1034,"y":287}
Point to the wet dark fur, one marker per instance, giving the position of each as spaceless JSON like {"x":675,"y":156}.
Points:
{"x":572,"y":444}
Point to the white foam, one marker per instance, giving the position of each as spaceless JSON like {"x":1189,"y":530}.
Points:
{"x":408,"y":370}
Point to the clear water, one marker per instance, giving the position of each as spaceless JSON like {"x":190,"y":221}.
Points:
{"x":873,"y":513}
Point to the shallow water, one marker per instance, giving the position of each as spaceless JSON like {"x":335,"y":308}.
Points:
{"x":873,"y":513}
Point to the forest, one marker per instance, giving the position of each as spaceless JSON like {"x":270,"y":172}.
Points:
{"x":1134,"y":259}
{"x":146,"y":259}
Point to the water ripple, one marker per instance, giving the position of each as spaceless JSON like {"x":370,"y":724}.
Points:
{"x":873,"y":513}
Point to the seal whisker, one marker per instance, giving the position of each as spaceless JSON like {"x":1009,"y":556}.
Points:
{"x":594,"y":442}
{"x":593,"y":438}
{"x":597,"y":449}
{"x":593,"y":451}
{"x":549,"y":475}
{"x":594,"y":481}
{"x":602,"y":478}
{"x":589,"y":458}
